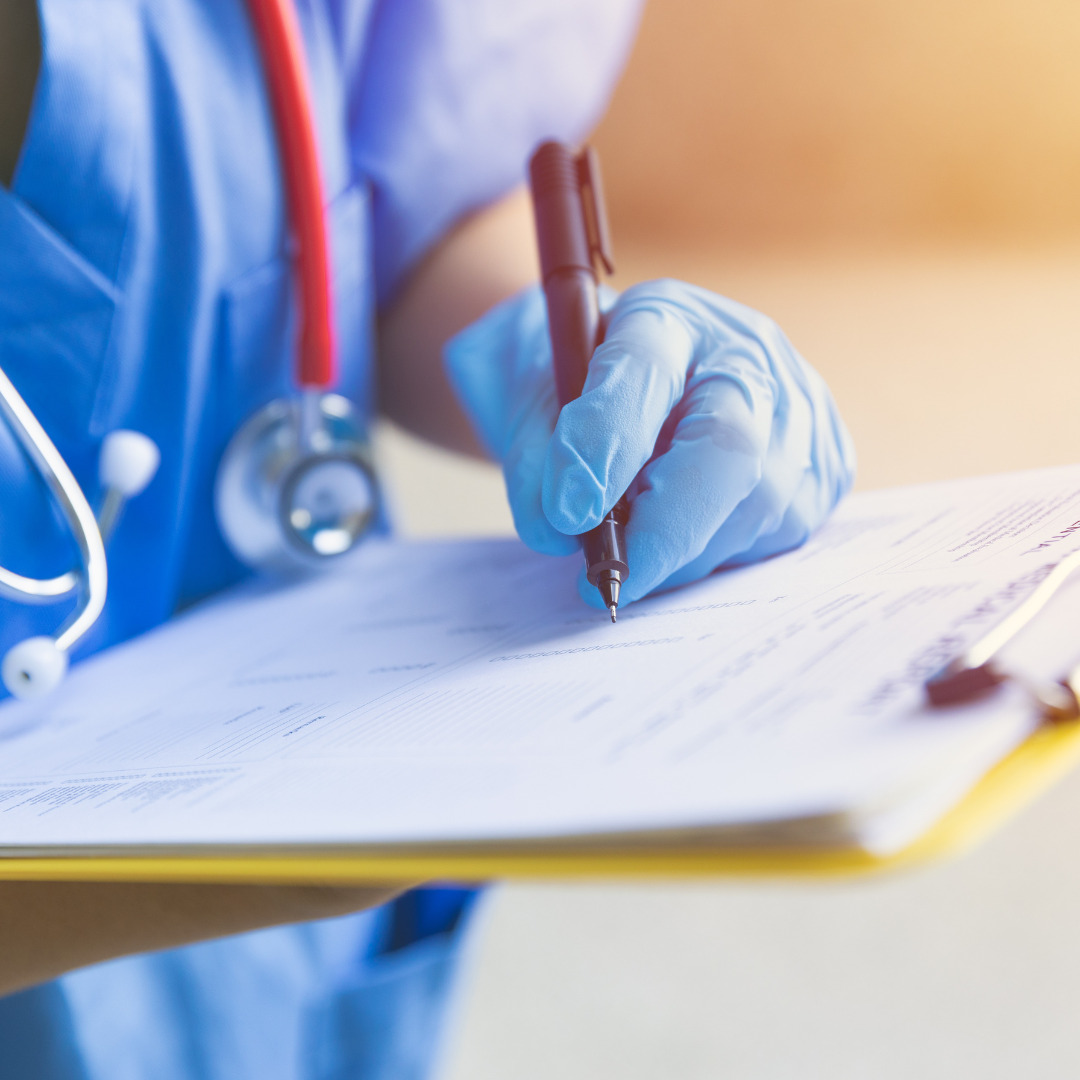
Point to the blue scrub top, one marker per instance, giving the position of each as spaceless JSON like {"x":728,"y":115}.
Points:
{"x":144,"y":283}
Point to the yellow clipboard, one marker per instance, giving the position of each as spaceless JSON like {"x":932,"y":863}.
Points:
{"x":1015,"y":781}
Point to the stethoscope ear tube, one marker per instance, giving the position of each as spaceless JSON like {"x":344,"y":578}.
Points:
{"x":282,"y":49}
{"x":25,"y":680}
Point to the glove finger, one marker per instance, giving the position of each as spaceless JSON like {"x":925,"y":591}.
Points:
{"x":601,"y":441}
{"x":756,"y":530}
{"x":826,"y":479}
{"x":803,"y":516}
{"x":715,"y":459}
{"x":788,"y":471}
{"x":767,"y":522}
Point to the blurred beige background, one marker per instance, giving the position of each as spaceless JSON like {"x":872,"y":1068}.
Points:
{"x":769,"y":121}
{"x":899,"y":186}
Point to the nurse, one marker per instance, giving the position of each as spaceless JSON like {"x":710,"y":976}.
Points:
{"x":144,"y":284}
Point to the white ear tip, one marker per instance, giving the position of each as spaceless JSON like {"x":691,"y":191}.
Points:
{"x":128,"y":462}
{"x":33,"y":668}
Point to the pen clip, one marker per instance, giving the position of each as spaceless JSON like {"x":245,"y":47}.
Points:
{"x":592,"y":202}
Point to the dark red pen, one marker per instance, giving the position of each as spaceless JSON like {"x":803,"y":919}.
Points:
{"x":572,"y":235}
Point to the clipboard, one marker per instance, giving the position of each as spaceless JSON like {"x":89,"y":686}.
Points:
{"x":582,"y":843}
{"x":1018,"y":779}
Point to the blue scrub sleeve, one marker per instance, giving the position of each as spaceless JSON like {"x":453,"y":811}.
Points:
{"x":453,"y":97}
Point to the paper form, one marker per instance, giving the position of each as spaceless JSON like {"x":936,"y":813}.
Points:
{"x":461,"y":692}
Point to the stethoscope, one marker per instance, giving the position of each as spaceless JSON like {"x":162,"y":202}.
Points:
{"x":296,"y":485}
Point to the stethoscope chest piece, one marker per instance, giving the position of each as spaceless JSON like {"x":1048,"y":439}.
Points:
{"x":296,"y":485}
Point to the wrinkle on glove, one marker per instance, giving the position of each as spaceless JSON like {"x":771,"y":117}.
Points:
{"x":728,"y":444}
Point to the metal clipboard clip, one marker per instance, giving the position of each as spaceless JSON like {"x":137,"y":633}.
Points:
{"x":976,"y":671}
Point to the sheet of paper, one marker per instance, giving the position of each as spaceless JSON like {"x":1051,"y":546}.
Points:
{"x":461,"y":691}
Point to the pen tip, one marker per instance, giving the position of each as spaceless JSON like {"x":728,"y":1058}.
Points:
{"x":610,"y":586}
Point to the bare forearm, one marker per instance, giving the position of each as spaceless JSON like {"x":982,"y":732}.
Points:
{"x":49,"y":928}
{"x":488,"y":257}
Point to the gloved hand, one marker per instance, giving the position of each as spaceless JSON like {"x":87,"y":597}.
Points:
{"x":727,"y":442}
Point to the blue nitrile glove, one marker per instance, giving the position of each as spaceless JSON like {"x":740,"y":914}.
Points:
{"x":727,"y":442}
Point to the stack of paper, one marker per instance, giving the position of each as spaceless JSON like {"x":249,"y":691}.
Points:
{"x":460,"y":693}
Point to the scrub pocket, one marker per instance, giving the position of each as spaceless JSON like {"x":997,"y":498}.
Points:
{"x":388,"y":1025}
{"x":56,"y":317}
{"x":259,"y":317}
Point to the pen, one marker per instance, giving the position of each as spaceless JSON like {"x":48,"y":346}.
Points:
{"x":572,"y":235}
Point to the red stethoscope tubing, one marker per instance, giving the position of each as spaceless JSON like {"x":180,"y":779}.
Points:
{"x":281,"y":46}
